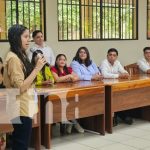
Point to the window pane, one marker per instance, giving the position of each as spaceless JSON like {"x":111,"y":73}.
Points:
{"x":110,"y":22}
{"x":10,"y":14}
{"x":91,"y":19}
{"x":27,"y":12}
{"x":128,"y":19}
{"x":69,"y":20}
{"x":99,"y":19}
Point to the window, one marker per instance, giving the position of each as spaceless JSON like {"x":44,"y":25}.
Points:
{"x":30,"y":13}
{"x":97,"y":19}
{"x":148,"y":19}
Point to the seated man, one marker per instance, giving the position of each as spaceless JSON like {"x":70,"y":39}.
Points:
{"x":111,"y":68}
{"x":144,"y":63}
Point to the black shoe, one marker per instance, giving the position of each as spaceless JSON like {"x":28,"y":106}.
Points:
{"x":128,"y":120}
{"x":119,"y":119}
{"x":115,"y":121}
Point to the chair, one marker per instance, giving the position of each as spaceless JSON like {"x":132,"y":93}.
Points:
{"x":132,"y":69}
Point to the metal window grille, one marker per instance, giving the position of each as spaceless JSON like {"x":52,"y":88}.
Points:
{"x":30,"y":13}
{"x":97,"y":19}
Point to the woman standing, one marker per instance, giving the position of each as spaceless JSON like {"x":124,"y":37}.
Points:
{"x":19,"y":73}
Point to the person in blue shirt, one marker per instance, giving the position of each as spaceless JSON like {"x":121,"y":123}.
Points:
{"x":84,"y":67}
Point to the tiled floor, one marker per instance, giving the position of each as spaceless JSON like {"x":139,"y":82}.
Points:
{"x":124,"y":137}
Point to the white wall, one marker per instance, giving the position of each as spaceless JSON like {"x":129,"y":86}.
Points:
{"x":129,"y":50}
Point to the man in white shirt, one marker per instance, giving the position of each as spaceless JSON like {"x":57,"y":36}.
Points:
{"x":111,"y":67}
{"x":144,"y":63}
{"x":40,"y":45}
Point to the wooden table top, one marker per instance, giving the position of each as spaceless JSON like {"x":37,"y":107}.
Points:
{"x":63,"y":87}
{"x":135,"y":81}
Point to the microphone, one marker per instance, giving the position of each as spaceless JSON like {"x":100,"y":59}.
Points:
{"x":39,"y":55}
{"x":31,"y":50}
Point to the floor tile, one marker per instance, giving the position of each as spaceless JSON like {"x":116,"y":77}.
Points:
{"x":132,"y":131}
{"x":146,"y":137}
{"x":144,"y":126}
{"x":94,"y":141}
{"x":117,"y":146}
{"x":72,"y":146}
{"x":117,"y":137}
{"x":137,"y":143}
{"x":148,"y":148}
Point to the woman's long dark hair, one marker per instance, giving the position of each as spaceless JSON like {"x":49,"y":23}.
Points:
{"x":2,"y":67}
{"x":14,"y":38}
{"x":35,"y":53}
{"x":87,"y":61}
{"x":57,"y":67}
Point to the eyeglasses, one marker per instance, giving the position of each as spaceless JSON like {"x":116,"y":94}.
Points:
{"x":82,"y":52}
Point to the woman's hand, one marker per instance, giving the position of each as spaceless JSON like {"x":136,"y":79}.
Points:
{"x":97,"y":77}
{"x":40,"y":63}
{"x":47,"y":82}
{"x":68,"y":78}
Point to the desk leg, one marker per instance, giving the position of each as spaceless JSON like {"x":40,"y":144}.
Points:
{"x":47,"y":136}
{"x":102,"y":124}
{"x":42,"y":113}
{"x":37,"y":138}
{"x":145,"y":113}
{"x":37,"y":130}
{"x":108,"y":109}
{"x":109,"y":124}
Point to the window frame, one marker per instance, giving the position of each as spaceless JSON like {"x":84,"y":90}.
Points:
{"x":44,"y":20}
{"x":102,"y":39}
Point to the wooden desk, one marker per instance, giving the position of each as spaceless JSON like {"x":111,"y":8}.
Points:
{"x":124,"y":95}
{"x":36,"y":128}
{"x":4,"y":128}
{"x":7,"y":128}
{"x":91,"y":105}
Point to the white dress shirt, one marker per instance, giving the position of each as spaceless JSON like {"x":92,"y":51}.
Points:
{"x":143,"y":64}
{"x":47,"y":52}
{"x":111,"y":71}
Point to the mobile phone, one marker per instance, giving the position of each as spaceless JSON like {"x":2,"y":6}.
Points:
{"x":39,"y":55}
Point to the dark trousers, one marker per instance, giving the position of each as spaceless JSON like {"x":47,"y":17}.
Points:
{"x":124,"y":114}
{"x":22,"y":133}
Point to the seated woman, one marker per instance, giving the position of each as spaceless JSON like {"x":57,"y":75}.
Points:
{"x":44,"y":77}
{"x":84,"y":67}
{"x":62,"y":73}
